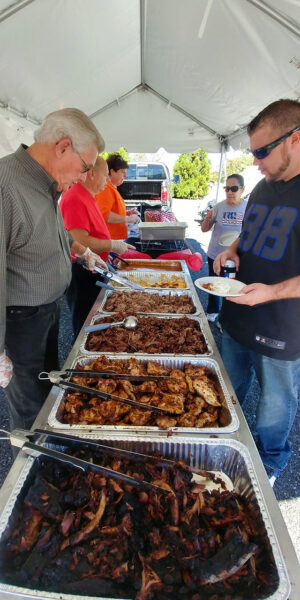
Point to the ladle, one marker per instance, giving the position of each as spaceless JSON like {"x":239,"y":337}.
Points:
{"x":130,"y":322}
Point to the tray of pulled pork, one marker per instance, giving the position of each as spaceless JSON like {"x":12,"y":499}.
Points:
{"x":193,"y":392}
{"x":153,"y":335}
{"x":157,"y":280}
{"x":194,"y":526}
{"x":155,"y":302}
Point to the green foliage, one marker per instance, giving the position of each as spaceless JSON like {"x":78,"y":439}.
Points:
{"x":122,"y":151}
{"x":234,"y":165}
{"x":194,"y":172}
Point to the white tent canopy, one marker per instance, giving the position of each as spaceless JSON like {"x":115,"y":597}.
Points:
{"x":174,"y":73}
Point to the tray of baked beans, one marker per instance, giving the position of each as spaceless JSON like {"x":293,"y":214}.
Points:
{"x":152,"y":334}
{"x":143,"y":394}
{"x":151,"y":302}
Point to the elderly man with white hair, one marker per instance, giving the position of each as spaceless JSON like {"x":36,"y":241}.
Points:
{"x":35,"y":253}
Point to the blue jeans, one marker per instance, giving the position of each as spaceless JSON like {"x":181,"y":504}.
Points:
{"x":214,"y":302}
{"x":278,"y":401}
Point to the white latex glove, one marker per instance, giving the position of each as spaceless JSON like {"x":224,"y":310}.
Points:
{"x":132,"y":211}
{"x":6,"y":370}
{"x":120,"y":247}
{"x":92,"y":260}
{"x":134,"y":218}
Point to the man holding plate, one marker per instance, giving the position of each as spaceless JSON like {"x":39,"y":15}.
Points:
{"x":262,"y":326}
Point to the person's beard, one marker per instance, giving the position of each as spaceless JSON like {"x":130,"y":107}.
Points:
{"x":277,"y":175}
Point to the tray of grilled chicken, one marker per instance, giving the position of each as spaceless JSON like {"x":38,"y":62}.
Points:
{"x":193,"y":525}
{"x":163,"y":280}
{"x":167,"y":302}
{"x":172,"y":394}
{"x":168,"y":335}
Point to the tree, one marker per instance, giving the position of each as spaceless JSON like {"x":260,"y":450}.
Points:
{"x":234,"y":165}
{"x":194,"y":172}
{"x":122,"y":151}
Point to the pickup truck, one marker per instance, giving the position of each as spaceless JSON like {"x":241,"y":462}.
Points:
{"x":147,"y":183}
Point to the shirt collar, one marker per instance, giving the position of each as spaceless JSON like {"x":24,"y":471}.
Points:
{"x":45,"y":180}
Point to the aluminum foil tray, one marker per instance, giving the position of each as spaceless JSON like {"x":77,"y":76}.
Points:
{"x":228,"y":413}
{"x":161,"y":280}
{"x":229,"y":456}
{"x":83,"y":349}
{"x":170,"y":266}
{"x":191,"y":294}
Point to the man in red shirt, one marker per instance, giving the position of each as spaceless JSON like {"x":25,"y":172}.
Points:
{"x":86,"y":224}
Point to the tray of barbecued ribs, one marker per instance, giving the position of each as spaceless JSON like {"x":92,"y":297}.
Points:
{"x":183,"y":335}
{"x":192,"y":392}
{"x":158,"y":279}
{"x":168,"y":302}
{"x":194,"y":525}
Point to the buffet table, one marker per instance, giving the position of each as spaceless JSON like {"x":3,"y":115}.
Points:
{"x":234,"y":433}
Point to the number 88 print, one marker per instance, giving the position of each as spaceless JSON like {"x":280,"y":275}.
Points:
{"x":267,"y":235}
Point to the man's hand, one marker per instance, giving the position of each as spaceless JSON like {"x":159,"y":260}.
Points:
{"x":229,"y":254}
{"x":132,"y":211}
{"x":255,"y":293}
{"x":6,"y":370}
{"x":134,"y":218}
{"x":92,"y":260}
{"x":120,"y":247}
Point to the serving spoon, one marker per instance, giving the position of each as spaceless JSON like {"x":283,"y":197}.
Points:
{"x":130,"y":322}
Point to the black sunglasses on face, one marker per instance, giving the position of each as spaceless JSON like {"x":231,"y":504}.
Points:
{"x":264,"y":151}
{"x":233,"y":188}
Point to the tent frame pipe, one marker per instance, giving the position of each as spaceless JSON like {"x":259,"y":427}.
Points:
{"x":222,"y":160}
{"x":274,"y":14}
{"x":13,"y":8}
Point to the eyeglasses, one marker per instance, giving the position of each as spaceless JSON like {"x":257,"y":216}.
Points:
{"x":264,"y":151}
{"x":233,"y":188}
{"x":85,"y":167}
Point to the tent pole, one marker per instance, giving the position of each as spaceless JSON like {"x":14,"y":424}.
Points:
{"x":222,"y":160}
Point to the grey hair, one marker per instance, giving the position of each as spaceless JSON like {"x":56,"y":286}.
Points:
{"x":70,"y":123}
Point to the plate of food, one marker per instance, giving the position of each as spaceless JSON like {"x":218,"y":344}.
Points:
{"x":220,"y":286}
{"x":228,"y":238}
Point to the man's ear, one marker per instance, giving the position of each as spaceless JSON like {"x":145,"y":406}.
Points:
{"x":62,"y":146}
{"x":295,"y":139}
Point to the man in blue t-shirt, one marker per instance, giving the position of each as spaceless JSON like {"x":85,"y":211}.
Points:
{"x":262,"y":327}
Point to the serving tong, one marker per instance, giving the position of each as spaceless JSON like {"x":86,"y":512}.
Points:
{"x":59,"y":378}
{"x":114,"y":277}
{"x":20,"y":438}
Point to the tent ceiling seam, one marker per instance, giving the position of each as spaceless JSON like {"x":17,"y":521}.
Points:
{"x":13,"y":8}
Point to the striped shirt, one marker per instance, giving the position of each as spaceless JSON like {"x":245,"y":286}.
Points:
{"x":35,"y":264}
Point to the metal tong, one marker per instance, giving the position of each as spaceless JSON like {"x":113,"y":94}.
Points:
{"x":121,"y":280}
{"x":112,"y":257}
{"x":57,"y":377}
{"x":19,"y":438}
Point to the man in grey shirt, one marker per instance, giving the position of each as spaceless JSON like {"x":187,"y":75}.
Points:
{"x":35,"y":261}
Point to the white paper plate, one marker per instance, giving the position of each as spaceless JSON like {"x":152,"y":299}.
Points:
{"x":228,"y":238}
{"x":235,"y":286}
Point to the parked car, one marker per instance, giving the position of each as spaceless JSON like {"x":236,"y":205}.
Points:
{"x":148,"y":183}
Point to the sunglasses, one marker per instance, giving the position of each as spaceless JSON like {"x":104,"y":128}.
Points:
{"x":232,"y":188}
{"x":264,"y":151}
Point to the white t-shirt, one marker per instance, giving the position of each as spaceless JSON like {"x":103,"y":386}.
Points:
{"x":228,"y":219}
